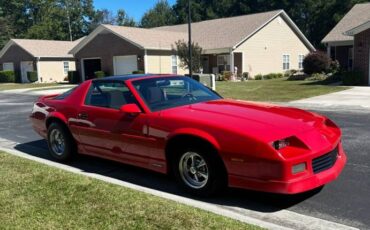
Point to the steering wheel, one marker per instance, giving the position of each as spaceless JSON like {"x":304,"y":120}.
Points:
{"x":189,"y":95}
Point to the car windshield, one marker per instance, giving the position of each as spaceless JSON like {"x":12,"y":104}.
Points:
{"x":169,"y":92}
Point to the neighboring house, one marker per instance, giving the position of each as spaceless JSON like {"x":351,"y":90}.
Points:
{"x":50,"y":59}
{"x":349,"y":31}
{"x":257,"y":43}
{"x":361,"y":49}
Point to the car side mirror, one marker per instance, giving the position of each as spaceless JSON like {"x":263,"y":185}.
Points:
{"x":131,"y":109}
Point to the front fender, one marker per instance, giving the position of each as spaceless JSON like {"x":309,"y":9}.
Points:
{"x":196,"y":133}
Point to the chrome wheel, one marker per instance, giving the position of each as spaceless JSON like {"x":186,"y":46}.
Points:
{"x":193,"y":170}
{"x":57,"y":142}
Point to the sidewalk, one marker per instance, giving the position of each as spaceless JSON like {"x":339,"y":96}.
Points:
{"x":41,"y":90}
{"x":356,"y":97}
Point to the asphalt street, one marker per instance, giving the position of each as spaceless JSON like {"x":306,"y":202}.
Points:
{"x":345,"y":201}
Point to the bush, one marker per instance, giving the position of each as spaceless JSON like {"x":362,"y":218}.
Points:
{"x":138,"y":72}
{"x":7,"y":76}
{"x":32,"y":76}
{"x":298,"y":77}
{"x":353,"y":78}
{"x":290,"y":72}
{"x":316,"y":62}
{"x":73,"y":77}
{"x":334,"y":67}
{"x":245,"y":76}
{"x":226,"y":75}
{"x":272,"y":76}
{"x":99,"y":74}
{"x":258,"y":77}
{"x":317,"y":77}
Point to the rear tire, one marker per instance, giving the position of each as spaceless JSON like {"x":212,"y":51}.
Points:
{"x":199,"y":171}
{"x":61,"y":144}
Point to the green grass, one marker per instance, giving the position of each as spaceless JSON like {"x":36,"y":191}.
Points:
{"x":9,"y":86}
{"x":276,"y":90}
{"x":36,"y":196}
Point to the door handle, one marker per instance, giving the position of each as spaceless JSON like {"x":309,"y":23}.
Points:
{"x":82,"y":116}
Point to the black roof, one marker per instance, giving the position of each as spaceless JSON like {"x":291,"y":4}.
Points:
{"x":125,"y":77}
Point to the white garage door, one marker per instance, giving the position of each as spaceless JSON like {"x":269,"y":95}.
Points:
{"x":124,"y":64}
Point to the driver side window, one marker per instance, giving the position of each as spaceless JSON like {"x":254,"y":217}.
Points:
{"x":109,"y":95}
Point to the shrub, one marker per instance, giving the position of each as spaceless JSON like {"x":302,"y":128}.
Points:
{"x":290,"y":72}
{"x":272,"y":76}
{"x":245,"y":76}
{"x":138,"y":72}
{"x":258,"y":77}
{"x":334,"y":66}
{"x":297,"y":77}
{"x":353,"y":78}
{"x":317,"y":77}
{"x":73,"y":77}
{"x":226,"y":75}
{"x":99,"y":74}
{"x":316,"y":62}
{"x":32,"y":76}
{"x":7,"y":76}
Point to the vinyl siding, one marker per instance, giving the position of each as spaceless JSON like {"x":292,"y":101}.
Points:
{"x":263,"y":52}
{"x":160,"y":62}
{"x":53,"y":71}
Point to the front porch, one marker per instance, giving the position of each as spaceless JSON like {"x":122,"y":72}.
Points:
{"x":217,"y":63}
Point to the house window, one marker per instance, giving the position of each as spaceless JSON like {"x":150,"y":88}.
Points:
{"x":350,"y":58}
{"x":66,"y":67}
{"x":174,"y":64}
{"x":8,"y":66}
{"x":300,"y":61}
{"x":223,"y":63}
{"x":286,"y":62}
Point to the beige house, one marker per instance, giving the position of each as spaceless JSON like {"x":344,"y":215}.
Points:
{"x":50,"y":59}
{"x":349,"y":41}
{"x":257,"y":43}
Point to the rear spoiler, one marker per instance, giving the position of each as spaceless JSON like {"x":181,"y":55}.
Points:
{"x":42,"y":98}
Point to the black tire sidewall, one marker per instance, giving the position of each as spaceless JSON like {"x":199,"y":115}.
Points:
{"x":216,"y":175}
{"x":69,"y":150}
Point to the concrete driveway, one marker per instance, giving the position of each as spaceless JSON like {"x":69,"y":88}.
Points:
{"x":356,"y":97}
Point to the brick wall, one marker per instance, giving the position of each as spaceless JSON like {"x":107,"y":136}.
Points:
{"x":361,"y":53}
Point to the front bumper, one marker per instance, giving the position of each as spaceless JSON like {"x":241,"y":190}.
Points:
{"x":293,"y":186}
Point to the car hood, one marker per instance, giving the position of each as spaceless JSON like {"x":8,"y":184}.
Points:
{"x":250,"y":117}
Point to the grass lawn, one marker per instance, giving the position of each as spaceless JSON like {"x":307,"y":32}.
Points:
{"x":36,"y":196}
{"x":9,"y":86}
{"x":277,"y":90}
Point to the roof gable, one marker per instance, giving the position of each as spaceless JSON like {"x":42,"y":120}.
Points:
{"x":359,"y":14}
{"x":42,"y":48}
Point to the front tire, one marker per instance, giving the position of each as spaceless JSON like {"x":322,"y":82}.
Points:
{"x":199,"y":171}
{"x":61,"y":143}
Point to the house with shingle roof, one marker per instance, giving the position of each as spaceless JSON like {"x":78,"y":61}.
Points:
{"x":349,"y":41}
{"x":259,"y":43}
{"x":50,"y":59}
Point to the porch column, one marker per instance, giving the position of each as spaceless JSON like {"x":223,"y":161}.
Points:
{"x":232,"y":62}
{"x":145,"y":62}
{"x":38,"y":69}
{"x":328,"y":48}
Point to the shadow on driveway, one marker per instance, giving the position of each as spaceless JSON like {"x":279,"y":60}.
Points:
{"x":257,"y":201}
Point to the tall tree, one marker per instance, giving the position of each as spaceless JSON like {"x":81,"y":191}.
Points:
{"x":122,"y":19}
{"x":160,"y":15}
{"x":182,"y":50}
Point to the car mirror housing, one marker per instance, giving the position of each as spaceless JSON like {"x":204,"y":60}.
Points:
{"x":131,"y":109}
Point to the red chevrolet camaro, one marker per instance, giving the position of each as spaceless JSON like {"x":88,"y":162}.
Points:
{"x":173,"y":124}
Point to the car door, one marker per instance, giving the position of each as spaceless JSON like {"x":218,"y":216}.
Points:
{"x":106,"y":131}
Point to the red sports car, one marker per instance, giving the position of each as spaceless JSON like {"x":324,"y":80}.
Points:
{"x":173,"y":124}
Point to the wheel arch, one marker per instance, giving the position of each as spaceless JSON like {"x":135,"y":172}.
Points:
{"x":179,"y":138}
{"x":55,"y":117}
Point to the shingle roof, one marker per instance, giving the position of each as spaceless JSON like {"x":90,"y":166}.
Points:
{"x":211,"y":34}
{"x":223,"y":32}
{"x":358,"y":15}
{"x":46,"y":48}
{"x":146,"y":38}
